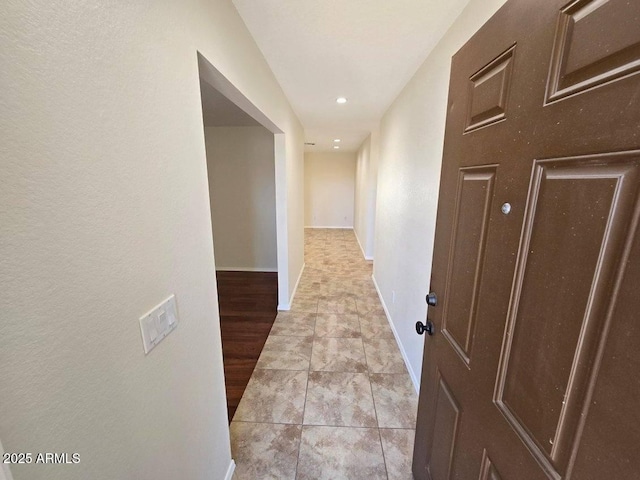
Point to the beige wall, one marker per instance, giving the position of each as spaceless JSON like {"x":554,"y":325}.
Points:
{"x":240,"y":163}
{"x":104,"y":212}
{"x":329,"y":189}
{"x":293,"y":249}
{"x":366,"y":192}
{"x":411,"y":141}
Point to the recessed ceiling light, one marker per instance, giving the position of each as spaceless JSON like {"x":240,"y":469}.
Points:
{"x":337,"y":140}
{"x":341,"y":100}
{"x":336,"y":147}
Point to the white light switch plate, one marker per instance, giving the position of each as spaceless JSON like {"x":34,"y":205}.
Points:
{"x":158,"y":323}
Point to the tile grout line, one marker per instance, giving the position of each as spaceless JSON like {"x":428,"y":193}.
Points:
{"x":373,"y":399}
{"x":375,"y":410}
{"x":306,"y":392}
{"x":355,"y":427}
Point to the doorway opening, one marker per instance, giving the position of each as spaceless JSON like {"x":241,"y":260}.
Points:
{"x":241,"y":151}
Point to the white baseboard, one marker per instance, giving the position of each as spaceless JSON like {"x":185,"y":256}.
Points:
{"x":286,"y":307}
{"x":412,"y":374}
{"x":230,"y":470}
{"x":369,"y":259}
{"x":246,"y":269}
{"x":331,"y":228}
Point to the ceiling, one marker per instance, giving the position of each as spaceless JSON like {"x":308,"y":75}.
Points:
{"x":364,"y":50}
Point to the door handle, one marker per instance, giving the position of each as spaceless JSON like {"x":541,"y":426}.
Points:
{"x":432,"y":299}
{"x":429,"y":328}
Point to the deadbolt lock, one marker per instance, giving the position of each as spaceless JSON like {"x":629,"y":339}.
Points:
{"x":432,"y":299}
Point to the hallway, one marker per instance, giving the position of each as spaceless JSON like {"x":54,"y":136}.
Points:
{"x":330,"y":397}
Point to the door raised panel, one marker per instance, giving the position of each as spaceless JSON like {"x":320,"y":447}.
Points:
{"x":447,"y":415}
{"x":471,"y":221}
{"x":597,"y":41}
{"x":488,"y":470}
{"x":489,"y":92}
{"x":610,"y":419}
{"x":578,"y":212}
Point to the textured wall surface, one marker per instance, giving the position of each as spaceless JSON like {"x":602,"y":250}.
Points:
{"x":411,"y":141}
{"x":366,"y":193}
{"x":241,"y":169}
{"x":104,"y":212}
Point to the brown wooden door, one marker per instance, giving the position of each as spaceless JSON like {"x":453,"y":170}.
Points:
{"x":533,"y":371}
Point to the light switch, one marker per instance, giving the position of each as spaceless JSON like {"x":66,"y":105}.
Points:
{"x":156,"y":324}
{"x":172,"y":311}
{"x":163,"y":321}
{"x":152,"y":328}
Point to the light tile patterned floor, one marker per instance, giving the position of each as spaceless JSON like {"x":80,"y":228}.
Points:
{"x":330,"y":397}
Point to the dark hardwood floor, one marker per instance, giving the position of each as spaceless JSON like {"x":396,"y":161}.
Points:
{"x":248,"y":307}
